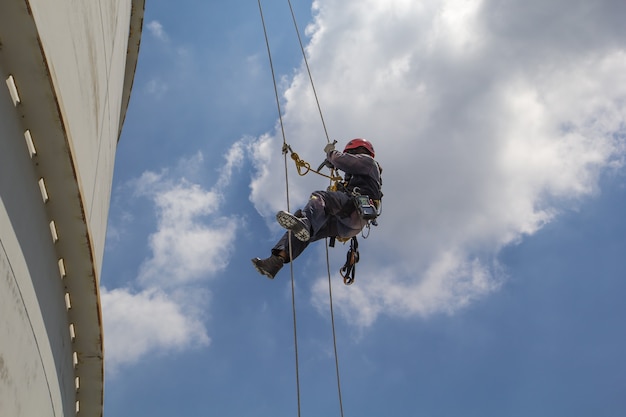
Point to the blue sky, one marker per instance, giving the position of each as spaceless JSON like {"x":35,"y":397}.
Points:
{"x":493,"y":285}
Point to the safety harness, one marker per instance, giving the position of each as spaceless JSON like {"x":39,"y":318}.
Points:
{"x":368,"y":209}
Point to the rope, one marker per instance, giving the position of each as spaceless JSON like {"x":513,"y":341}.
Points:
{"x":330,"y":291}
{"x":301,"y":164}
{"x":306,"y":62}
{"x":332,"y":321}
{"x":293,"y":290}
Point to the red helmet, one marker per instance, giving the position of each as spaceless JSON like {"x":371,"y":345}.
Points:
{"x":360,"y":143}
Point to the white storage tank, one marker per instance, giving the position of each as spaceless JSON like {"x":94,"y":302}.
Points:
{"x":66,"y":70}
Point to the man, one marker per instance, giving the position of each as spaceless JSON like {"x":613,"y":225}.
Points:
{"x":328,"y":213}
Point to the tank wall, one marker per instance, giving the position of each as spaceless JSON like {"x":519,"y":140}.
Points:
{"x":72,"y":64}
{"x":85,"y":44}
{"x":36,"y":373}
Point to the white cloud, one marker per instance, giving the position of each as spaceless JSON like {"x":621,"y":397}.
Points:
{"x":140,"y":323}
{"x":156,"y":29}
{"x":192,"y":240}
{"x":184,"y":248}
{"x":190,"y":246}
{"x":451,"y":281}
{"x":486,"y":126}
{"x":265,"y":192}
{"x":234,"y":159}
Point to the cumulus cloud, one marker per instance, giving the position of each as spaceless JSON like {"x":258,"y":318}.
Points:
{"x":156,"y":29}
{"x":163,"y":308}
{"x":234,"y":159}
{"x":186,"y":245}
{"x":148,"y":321}
{"x":487,"y":122}
{"x":450,"y":282}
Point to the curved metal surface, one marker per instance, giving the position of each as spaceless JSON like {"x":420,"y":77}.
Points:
{"x":73,"y":66}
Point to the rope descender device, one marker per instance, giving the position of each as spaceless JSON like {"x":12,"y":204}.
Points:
{"x":304,"y":167}
{"x":348,"y":270}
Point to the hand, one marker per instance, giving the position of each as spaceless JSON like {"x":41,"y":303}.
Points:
{"x":327,"y":164}
{"x":329,"y":147}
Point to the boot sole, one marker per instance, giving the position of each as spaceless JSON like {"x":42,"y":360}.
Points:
{"x":291,"y":222}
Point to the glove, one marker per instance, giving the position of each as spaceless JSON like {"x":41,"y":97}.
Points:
{"x":329,"y":147}
{"x":327,"y":164}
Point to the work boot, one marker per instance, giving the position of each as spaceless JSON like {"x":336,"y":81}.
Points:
{"x":268,"y":266}
{"x":299,"y":226}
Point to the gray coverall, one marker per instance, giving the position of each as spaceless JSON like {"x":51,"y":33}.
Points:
{"x":334,"y":213}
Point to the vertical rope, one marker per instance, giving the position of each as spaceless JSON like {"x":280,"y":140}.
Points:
{"x":308,"y":69}
{"x":293,"y":290}
{"x":332,"y":321}
{"x":330,"y":290}
{"x":288,"y":206}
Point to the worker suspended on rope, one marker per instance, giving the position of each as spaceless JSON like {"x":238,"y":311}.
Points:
{"x":342,"y":213}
